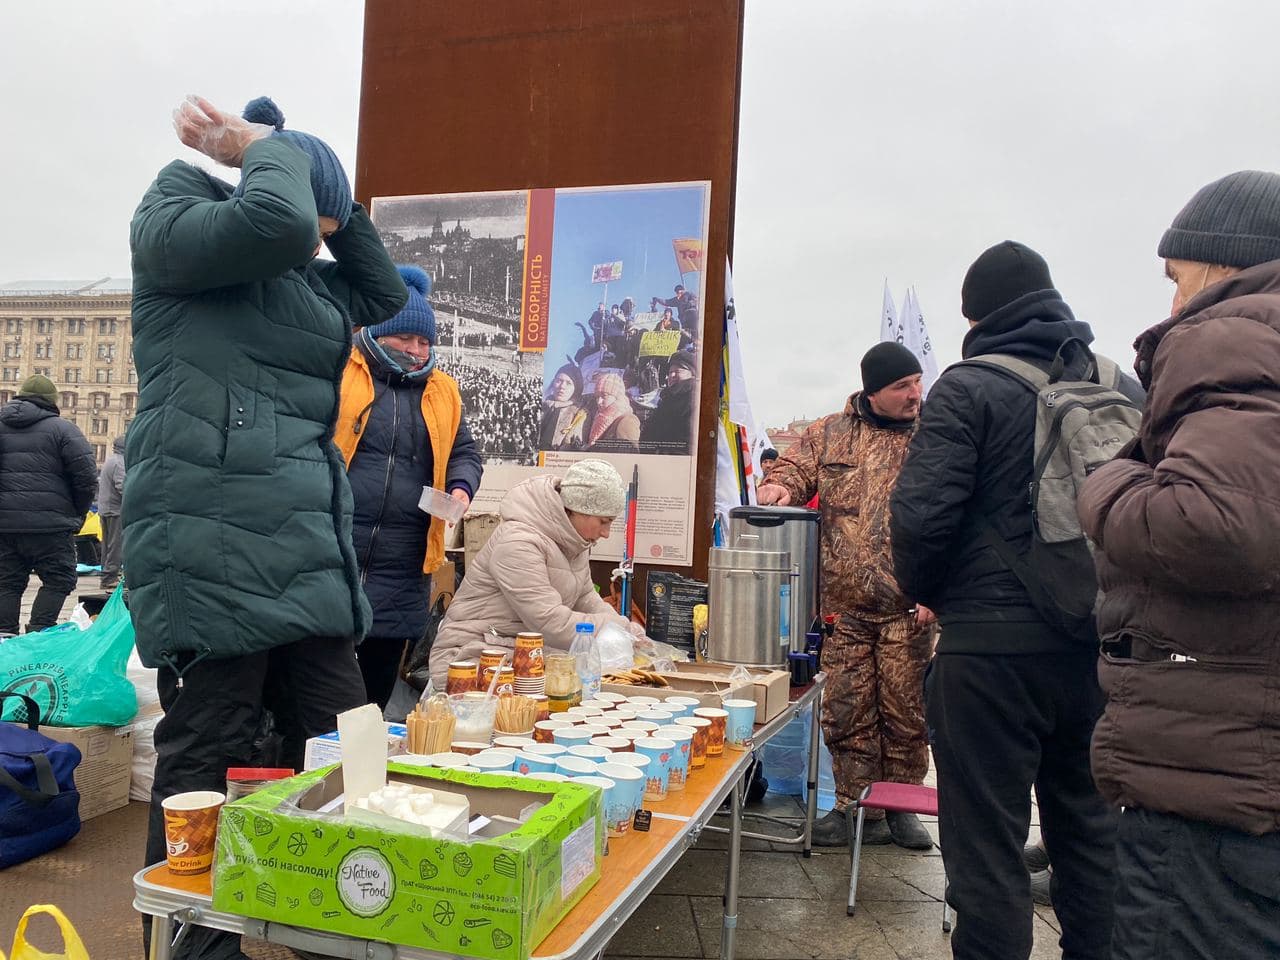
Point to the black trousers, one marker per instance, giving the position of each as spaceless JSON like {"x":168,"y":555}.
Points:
{"x":1001,"y":725}
{"x":211,"y":722}
{"x":379,"y":664}
{"x":1188,"y":890}
{"x":52,"y":557}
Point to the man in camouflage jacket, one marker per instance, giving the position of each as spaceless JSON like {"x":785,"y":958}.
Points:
{"x":872,"y":715}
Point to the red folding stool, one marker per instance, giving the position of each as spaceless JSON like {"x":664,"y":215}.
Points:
{"x":897,"y":798}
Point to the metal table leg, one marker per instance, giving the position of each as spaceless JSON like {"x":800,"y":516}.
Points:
{"x":811,"y":809}
{"x":161,"y":938}
{"x":729,"y":929}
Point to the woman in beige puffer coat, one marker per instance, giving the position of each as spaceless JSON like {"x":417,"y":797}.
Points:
{"x":533,"y":574}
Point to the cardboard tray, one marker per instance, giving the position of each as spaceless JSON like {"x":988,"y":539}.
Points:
{"x":711,"y":691}
{"x":771,"y":689}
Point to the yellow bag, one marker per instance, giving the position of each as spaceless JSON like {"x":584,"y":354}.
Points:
{"x":71,"y":942}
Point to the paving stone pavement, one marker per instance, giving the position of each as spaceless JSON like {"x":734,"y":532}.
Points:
{"x":789,"y":907}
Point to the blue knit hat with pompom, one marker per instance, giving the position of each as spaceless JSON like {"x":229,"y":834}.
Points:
{"x":417,"y":315}
{"x":329,"y":181}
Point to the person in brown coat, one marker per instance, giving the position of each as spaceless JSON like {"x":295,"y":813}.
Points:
{"x":872,"y":712}
{"x":1187,"y":528}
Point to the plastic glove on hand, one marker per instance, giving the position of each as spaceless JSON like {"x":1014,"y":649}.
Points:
{"x":220,"y":136}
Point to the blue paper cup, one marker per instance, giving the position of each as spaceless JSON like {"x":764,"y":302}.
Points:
{"x":572,"y":736}
{"x":661,"y":754}
{"x":627,"y":796}
{"x":607,"y":785}
{"x":534,"y":763}
{"x":740,"y":724}
{"x":590,"y":752}
{"x":681,"y":759}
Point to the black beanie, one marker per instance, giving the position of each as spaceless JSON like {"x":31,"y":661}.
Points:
{"x":1001,"y":275}
{"x":1234,"y":222}
{"x":887,"y":363}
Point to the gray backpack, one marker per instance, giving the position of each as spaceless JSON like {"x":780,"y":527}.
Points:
{"x":1080,"y":425}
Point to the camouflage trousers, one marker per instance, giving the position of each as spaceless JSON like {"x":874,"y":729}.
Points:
{"x":873,"y":705}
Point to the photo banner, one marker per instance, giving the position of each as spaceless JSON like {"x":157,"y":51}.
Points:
{"x":561,"y":355}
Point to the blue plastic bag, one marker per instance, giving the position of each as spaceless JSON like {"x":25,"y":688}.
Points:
{"x":77,"y":677}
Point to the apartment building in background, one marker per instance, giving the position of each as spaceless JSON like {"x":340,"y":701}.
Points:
{"x":76,"y":333}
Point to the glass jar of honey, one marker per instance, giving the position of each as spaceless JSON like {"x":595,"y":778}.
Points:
{"x":564,"y":688}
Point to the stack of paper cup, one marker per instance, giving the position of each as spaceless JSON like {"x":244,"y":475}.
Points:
{"x":531,"y":679}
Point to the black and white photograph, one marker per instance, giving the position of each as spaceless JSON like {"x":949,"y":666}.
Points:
{"x":472,"y":246}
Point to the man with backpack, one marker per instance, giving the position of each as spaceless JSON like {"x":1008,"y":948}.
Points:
{"x":984,"y":534}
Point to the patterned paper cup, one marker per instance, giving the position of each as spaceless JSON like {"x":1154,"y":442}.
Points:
{"x":740,"y":723}
{"x":543,"y":730}
{"x":530,"y":763}
{"x":661,"y":754}
{"x":715,"y":733}
{"x":626,"y":798}
{"x":682,"y":758}
{"x":190,"y":828}
{"x":701,"y":728}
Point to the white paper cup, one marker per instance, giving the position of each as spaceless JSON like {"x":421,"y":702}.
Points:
{"x":575,"y":767}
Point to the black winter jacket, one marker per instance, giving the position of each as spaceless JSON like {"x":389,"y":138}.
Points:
{"x":969,"y":465}
{"x":387,"y":473}
{"x":48,"y":477}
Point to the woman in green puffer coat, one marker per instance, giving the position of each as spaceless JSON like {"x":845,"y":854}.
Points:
{"x":237,"y":513}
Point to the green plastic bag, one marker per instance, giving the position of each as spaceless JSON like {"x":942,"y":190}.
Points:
{"x":76,"y":676}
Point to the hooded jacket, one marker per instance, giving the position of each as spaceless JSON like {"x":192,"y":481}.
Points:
{"x":533,"y":574}
{"x":1187,"y":528}
{"x":47,"y":473}
{"x":111,"y":480}
{"x":970,"y":466}
{"x":398,"y":436}
{"x":237,"y":513}
{"x":850,"y":460}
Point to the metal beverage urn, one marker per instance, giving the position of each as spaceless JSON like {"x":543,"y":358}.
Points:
{"x":749,"y":607}
{"x":797,"y":531}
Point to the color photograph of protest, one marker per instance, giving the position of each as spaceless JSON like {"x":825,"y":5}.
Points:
{"x":624,"y":352}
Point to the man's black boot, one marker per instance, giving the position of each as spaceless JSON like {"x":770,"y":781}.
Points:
{"x":907,"y":831}
{"x":831,"y":830}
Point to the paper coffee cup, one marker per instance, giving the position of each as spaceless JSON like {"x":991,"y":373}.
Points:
{"x":715,"y":733}
{"x":190,"y":829}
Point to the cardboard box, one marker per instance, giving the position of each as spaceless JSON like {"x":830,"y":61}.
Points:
{"x":326,"y":749}
{"x":105,"y":769}
{"x":495,"y":897}
{"x":771,"y":689}
{"x":711,"y":690}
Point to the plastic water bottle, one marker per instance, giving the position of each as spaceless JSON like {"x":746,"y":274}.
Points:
{"x":586,"y":658}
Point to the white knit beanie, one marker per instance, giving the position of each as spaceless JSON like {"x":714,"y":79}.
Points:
{"x":593,"y":487}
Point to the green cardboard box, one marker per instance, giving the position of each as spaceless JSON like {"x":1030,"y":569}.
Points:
{"x":279,"y":859}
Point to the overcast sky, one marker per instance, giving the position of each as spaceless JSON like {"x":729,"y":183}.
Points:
{"x":877,"y":141}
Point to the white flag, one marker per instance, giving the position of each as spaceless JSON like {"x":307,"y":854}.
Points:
{"x":916,"y":338}
{"x":728,"y":489}
{"x":890,"y":329}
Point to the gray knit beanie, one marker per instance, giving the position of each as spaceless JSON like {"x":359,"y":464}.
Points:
{"x":1234,"y":222}
{"x":594,"y":488}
